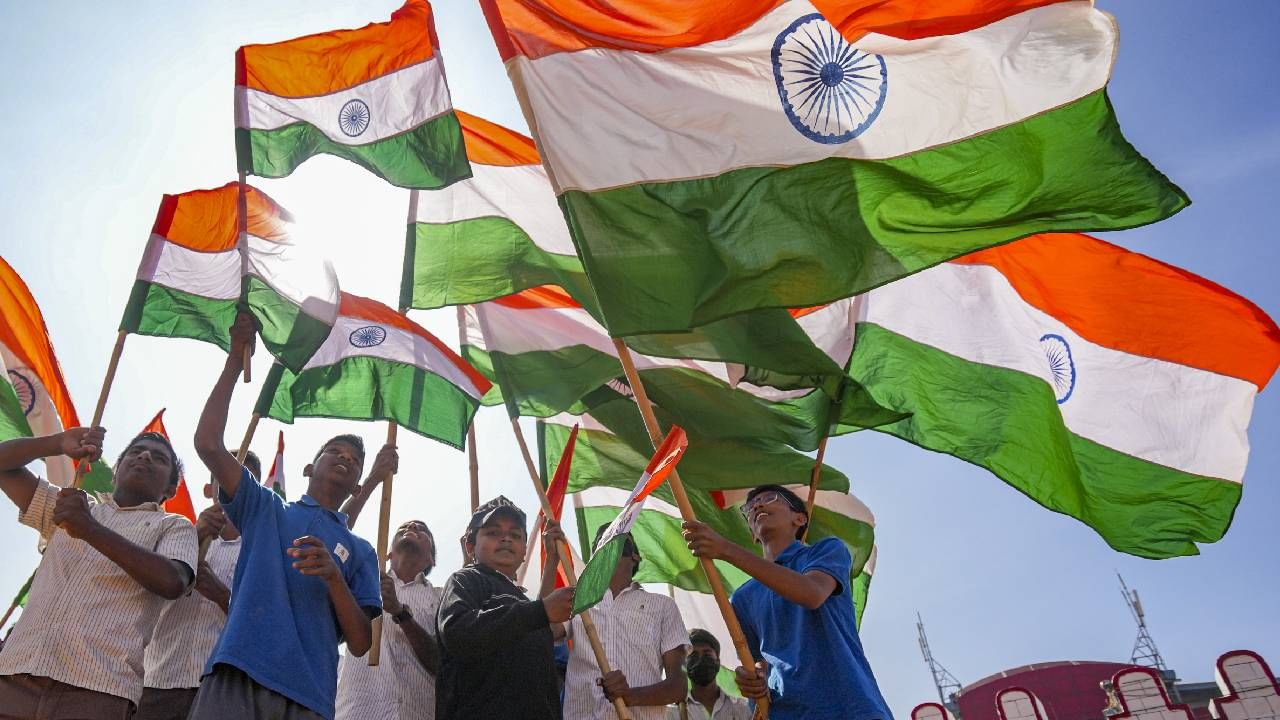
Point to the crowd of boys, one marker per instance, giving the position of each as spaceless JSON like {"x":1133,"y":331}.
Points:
{"x":123,"y":620}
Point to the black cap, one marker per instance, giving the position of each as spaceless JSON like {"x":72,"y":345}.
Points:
{"x":490,"y":510}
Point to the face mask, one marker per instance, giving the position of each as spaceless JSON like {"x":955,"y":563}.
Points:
{"x":702,"y":669}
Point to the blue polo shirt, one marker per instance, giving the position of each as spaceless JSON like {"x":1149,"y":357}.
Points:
{"x":281,"y":629}
{"x":817,"y":670}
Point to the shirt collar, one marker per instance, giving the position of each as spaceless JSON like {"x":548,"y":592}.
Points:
{"x":109,"y":500}
{"x":311,"y":502}
{"x":419,"y":579}
{"x":795,"y":547}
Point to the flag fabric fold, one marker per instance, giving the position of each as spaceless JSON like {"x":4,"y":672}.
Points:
{"x":759,"y":157}
{"x":1104,"y":384}
{"x":377,"y":364}
{"x":180,"y":503}
{"x":196,"y":274}
{"x":375,"y":96}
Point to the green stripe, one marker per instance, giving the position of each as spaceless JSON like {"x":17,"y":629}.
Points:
{"x":594,"y":581}
{"x":673,"y":255}
{"x":1009,"y":422}
{"x":287,"y":332}
{"x":367,"y":388}
{"x":164,"y":312}
{"x":13,"y":421}
{"x":428,"y":157}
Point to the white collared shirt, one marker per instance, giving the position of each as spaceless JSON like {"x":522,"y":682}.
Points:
{"x":727,"y":707}
{"x":189,"y":627}
{"x":636,"y":627}
{"x":399,"y":687}
{"x":87,"y":622}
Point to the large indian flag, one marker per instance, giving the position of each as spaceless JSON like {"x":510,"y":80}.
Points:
{"x":378,"y":364}
{"x":376,"y":96}
{"x":197,"y":271}
{"x":712,"y":160}
{"x":1102,"y":383}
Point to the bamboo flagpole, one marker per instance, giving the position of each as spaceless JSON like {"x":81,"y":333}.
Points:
{"x":473,"y":459}
{"x":566,"y":564}
{"x":813,"y":485}
{"x":745,"y":655}
{"x":82,"y":467}
{"x":13,"y":606}
{"x":384,"y":530}
{"x":242,"y":209}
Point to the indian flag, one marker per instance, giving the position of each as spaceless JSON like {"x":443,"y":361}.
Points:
{"x":180,"y":502}
{"x":376,"y":96}
{"x":721,"y":159}
{"x":594,"y":582}
{"x":34,"y":400}
{"x":275,"y":478}
{"x":1103,"y":384}
{"x":378,"y":364}
{"x":196,"y":272}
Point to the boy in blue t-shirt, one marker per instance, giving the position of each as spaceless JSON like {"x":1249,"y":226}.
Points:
{"x":303,"y":583}
{"x":797,"y":613}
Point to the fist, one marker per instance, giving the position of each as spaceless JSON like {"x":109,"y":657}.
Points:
{"x":242,"y":333}
{"x":311,"y":557}
{"x":208,"y":585}
{"x":552,"y":537}
{"x":390,"y":601}
{"x":82,"y":443}
{"x":753,"y":683}
{"x":386,"y":464}
{"x":614,"y":685}
{"x":71,"y":513}
{"x":705,"y":542}
{"x":559,"y":605}
{"x":211,"y":522}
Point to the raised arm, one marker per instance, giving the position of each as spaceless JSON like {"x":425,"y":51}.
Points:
{"x":19,"y":483}
{"x":209,"y":442}
{"x":809,"y":589}
{"x":386,"y":464}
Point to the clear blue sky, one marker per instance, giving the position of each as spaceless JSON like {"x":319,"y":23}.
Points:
{"x":114,"y":104}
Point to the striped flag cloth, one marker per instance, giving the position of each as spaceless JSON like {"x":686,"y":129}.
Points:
{"x":595,"y":579}
{"x":1103,"y":384}
{"x":195,"y":274}
{"x":180,"y":503}
{"x":376,"y":96}
{"x":378,"y":364}
{"x":34,"y":400}
{"x":713,"y":159}
{"x":275,"y":478}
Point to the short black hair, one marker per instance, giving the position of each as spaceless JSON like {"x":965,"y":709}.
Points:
{"x":175,"y":462}
{"x":254,"y":464}
{"x":628,"y":548}
{"x":792,"y":500}
{"x":354,"y":441}
{"x":698,"y":636}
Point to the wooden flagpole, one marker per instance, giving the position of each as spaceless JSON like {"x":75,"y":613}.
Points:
{"x":686,"y":511}
{"x":242,"y":207}
{"x":82,"y":467}
{"x":813,"y":486}
{"x":384,"y":530}
{"x":566,"y":564}
{"x":13,"y":606}
{"x":473,"y":459}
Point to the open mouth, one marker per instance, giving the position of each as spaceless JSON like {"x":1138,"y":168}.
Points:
{"x":759,"y":514}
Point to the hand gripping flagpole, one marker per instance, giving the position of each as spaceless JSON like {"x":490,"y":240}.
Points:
{"x":686,"y":511}
{"x":566,"y":564}
{"x":82,"y":467}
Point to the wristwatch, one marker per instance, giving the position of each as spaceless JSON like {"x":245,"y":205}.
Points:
{"x":404,"y":614}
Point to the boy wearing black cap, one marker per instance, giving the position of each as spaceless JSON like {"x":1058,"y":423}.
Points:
{"x":797,"y":609}
{"x":495,"y":644}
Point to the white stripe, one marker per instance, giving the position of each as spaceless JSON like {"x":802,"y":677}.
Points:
{"x":520,"y":193}
{"x":398,"y":346}
{"x":298,"y":274}
{"x":1174,"y":415}
{"x":214,"y":275}
{"x":516,"y":330}
{"x":396,"y":102}
{"x":607,"y":118}
{"x":42,"y":417}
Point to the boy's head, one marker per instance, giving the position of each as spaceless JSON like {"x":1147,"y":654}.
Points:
{"x":149,"y":466}
{"x":703,"y":663}
{"x":774,"y":510}
{"x":496,"y":535}
{"x":414,"y":545}
{"x":629,"y":560}
{"x":253,"y":464}
{"x":334,"y":473}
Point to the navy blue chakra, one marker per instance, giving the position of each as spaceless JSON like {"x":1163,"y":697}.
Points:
{"x":1062,"y":367}
{"x":368,"y":336}
{"x":353,"y":118}
{"x":25,"y":389}
{"x":831,"y":91}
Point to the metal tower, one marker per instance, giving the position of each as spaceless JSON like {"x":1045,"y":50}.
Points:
{"x":943,"y":680}
{"x":1145,"y":652}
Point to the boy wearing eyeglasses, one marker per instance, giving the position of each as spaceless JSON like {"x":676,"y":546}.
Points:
{"x":797,"y":613}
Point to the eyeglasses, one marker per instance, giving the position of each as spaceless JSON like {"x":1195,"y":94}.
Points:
{"x":763,"y":498}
